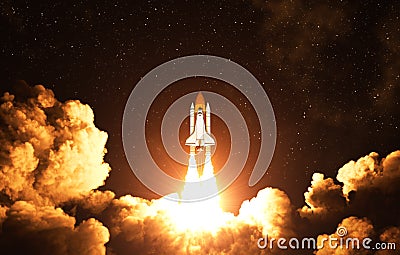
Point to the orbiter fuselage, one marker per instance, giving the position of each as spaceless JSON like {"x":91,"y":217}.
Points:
{"x":200,"y":127}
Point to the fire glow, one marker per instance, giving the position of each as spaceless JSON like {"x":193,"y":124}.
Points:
{"x":205,"y":215}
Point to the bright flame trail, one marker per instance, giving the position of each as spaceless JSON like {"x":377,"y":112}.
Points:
{"x":204,"y":215}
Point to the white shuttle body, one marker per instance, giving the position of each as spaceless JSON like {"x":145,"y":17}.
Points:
{"x":200,"y":127}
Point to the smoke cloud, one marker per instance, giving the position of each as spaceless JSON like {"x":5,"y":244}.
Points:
{"x":369,"y":190}
{"x":323,"y":197}
{"x":391,"y":235}
{"x":50,"y":153}
{"x":48,"y":230}
{"x":369,"y":172}
{"x":356,"y":228}
{"x":48,"y":148}
{"x":271,"y":209}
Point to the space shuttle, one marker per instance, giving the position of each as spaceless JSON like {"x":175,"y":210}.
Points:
{"x":200,"y":127}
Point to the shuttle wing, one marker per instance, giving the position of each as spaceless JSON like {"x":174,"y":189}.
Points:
{"x":191,"y":140}
{"x":208,"y":140}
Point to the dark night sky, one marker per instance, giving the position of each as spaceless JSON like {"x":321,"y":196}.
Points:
{"x":330,"y":68}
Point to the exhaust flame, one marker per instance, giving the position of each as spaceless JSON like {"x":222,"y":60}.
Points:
{"x":204,"y":215}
